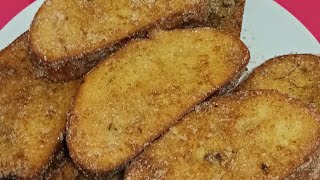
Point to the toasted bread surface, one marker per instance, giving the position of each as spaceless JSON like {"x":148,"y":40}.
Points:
{"x":297,"y":75}
{"x":226,"y":15}
{"x":130,"y":99}
{"x":32,"y":115}
{"x":65,"y":32}
{"x":250,"y":135}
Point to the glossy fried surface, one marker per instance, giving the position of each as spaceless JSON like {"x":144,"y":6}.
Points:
{"x":32,"y":115}
{"x":68,"y":38}
{"x":249,"y":135}
{"x":297,"y":75}
{"x":68,"y":27}
{"x":130,"y":99}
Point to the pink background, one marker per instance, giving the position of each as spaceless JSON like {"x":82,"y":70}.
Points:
{"x":306,"y":11}
{"x":9,"y":8}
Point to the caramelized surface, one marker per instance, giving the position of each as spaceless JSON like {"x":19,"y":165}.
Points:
{"x":297,"y":75}
{"x":130,"y":99}
{"x":249,"y":135}
{"x":32,"y":114}
{"x":226,"y":15}
{"x":65,"y":28}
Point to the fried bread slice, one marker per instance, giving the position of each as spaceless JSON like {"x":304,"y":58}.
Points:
{"x":32,"y":115}
{"x":127,"y":101}
{"x":69,"y":37}
{"x":297,"y":75}
{"x":249,"y":135}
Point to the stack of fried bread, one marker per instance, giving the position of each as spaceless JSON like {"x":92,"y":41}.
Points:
{"x":32,"y":116}
{"x":248,"y":135}
{"x":297,"y":75}
{"x":78,"y":34}
{"x":134,"y":101}
{"x":135,"y":90}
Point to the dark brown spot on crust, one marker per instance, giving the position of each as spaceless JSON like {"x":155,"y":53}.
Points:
{"x":140,"y":129}
{"x":213,"y":157}
{"x":111,"y":126}
{"x":50,"y":112}
{"x":218,"y":157}
{"x":265,"y":168}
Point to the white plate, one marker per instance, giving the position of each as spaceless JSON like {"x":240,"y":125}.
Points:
{"x":268,"y":30}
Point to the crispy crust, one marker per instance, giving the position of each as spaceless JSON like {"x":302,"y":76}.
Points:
{"x":15,"y":61}
{"x":273,"y":75}
{"x":69,"y":171}
{"x":153,"y":163}
{"x":74,"y":119}
{"x":294,"y":74}
{"x":75,"y":64}
{"x":71,"y":68}
{"x":309,"y":169}
{"x":55,"y":162}
{"x":224,"y":15}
